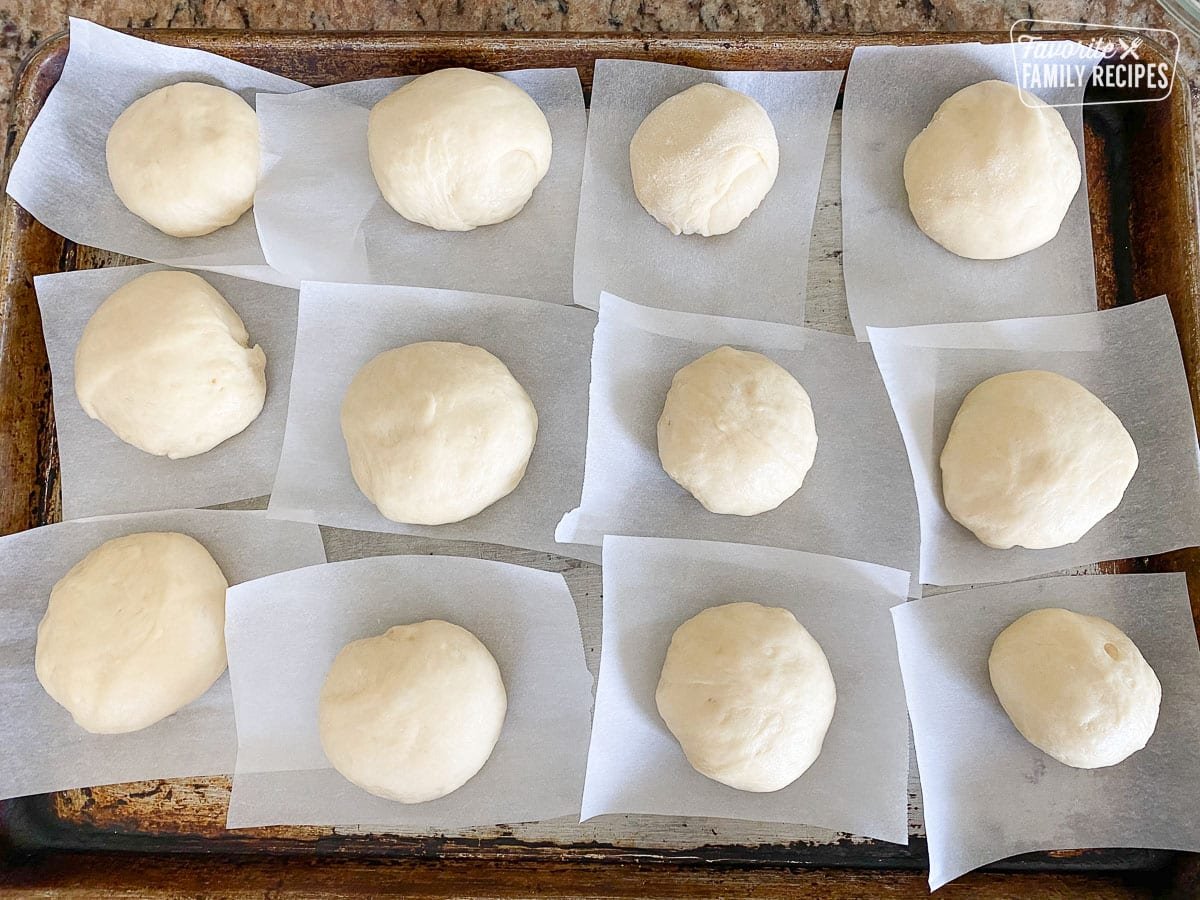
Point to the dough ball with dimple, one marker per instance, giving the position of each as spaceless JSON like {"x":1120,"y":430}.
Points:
{"x":437,"y":431}
{"x":704,"y":159}
{"x":134,"y":632}
{"x":456,"y":149}
{"x":748,"y":693}
{"x":737,"y":432}
{"x":166,"y":363}
{"x":993,"y":173}
{"x":413,"y":713}
{"x":1034,"y":460}
{"x":185,"y":158}
{"x":1075,"y":686}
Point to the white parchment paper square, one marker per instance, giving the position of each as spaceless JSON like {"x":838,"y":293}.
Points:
{"x":756,"y":271}
{"x":342,"y":327}
{"x":99,"y":473}
{"x":1128,"y":357}
{"x":857,"y":501}
{"x":859,"y":783}
{"x":988,"y":792}
{"x":526,"y":619}
{"x":44,"y":750}
{"x":61,"y":176}
{"x":322,"y":217}
{"x":895,"y":275}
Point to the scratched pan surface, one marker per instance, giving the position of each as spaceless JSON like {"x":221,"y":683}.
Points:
{"x":1144,"y":233}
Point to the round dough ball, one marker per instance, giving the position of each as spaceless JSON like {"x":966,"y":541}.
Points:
{"x":737,"y":432}
{"x":748,"y":694}
{"x":185,"y":158}
{"x":457,"y":149}
{"x":437,"y":432}
{"x":134,"y":632}
{"x":1034,"y":460}
{"x":703,"y":160}
{"x":167,"y":365}
{"x":1075,"y":686}
{"x":412,"y":714}
{"x":993,"y":173}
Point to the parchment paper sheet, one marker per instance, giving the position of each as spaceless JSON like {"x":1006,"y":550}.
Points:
{"x":857,"y":500}
{"x":61,"y":176}
{"x":44,"y":750}
{"x":527,"y":620}
{"x":323,"y":218}
{"x":342,"y":327}
{"x":1128,"y":357}
{"x":859,"y":783}
{"x":101,"y":474}
{"x":988,"y":792}
{"x":757,"y":271}
{"x":895,"y":275}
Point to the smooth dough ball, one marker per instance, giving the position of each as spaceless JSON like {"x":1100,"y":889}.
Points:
{"x":457,"y":149}
{"x":185,"y":158}
{"x":737,"y":432}
{"x":134,"y":632}
{"x":991,"y":177}
{"x":1075,"y":686}
{"x":167,"y":365}
{"x":748,"y":694}
{"x":412,"y":714}
{"x":437,"y":432}
{"x":1034,"y":460}
{"x":703,"y":160}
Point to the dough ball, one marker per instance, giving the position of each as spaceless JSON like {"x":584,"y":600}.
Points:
{"x":437,"y":432}
{"x":737,"y":432}
{"x":134,"y":632}
{"x":748,"y":694}
{"x":991,"y":177}
{"x":1034,"y":460}
{"x":457,"y":149}
{"x":413,"y":713}
{"x":1075,"y":687}
{"x":703,"y":160}
{"x":185,"y":158}
{"x":167,"y":365}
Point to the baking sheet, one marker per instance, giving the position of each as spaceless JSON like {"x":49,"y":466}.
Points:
{"x":757,"y":271}
{"x":859,"y":783}
{"x":44,"y":750}
{"x":990,"y":794}
{"x":99,"y":473}
{"x":342,"y":327}
{"x":857,"y":501}
{"x":1128,"y":357}
{"x":62,"y":158}
{"x":895,"y":275}
{"x":525,"y":617}
{"x":322,"y":217}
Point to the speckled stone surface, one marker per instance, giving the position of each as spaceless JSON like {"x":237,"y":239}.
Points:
{"x":24,"y":23}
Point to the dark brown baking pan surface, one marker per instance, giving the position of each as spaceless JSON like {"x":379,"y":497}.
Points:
{"x":167,"y":838}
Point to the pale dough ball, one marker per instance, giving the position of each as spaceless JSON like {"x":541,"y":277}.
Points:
{"x":737,"y":432}
{"x":412,"y":714}
{"x":167,"y":365}
{"x":1034,"y":460}
{"x":1075,"y":686}
{"x":185,"y":158}
{"x":437,"y":431}
{"x":991,"y":177}
{"x":457,"y":149}
{"x":704,"y":159}
{"x":134,"y":632}
{"x":747,"y":692}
